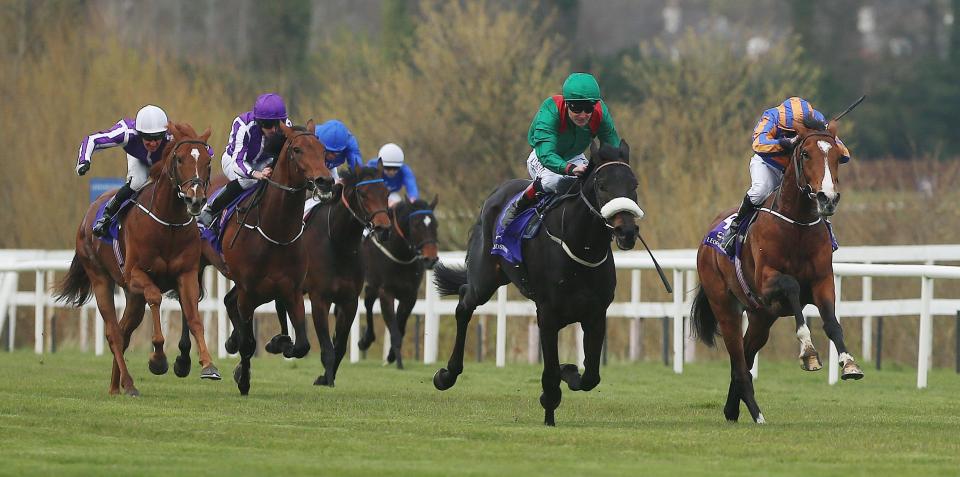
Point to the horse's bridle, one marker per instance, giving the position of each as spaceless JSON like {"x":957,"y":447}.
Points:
{"x":593,"y":178}
{"x":175,"y":176}
{"x":355,"y":192}
{"x":309,"y":184}
{"x":798,"y":164}
{"x":416,"y":249}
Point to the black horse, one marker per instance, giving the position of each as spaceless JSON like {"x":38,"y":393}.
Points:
{"x":394,"y":269}
{"x":568,"y":269}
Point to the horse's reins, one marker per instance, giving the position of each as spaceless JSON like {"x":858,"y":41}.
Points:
{"x":177,"y":183}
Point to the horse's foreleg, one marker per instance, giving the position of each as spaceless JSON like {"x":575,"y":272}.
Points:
{"x":280,"y":343}
{"x":189,"y":291}
{"x":246,"y":341}
{"x":132,"y":317}
{"x":758,"y":332}
{"x":824,"y":298}
{"x":390,"y":322}
{"x":232,"y":343}
{"x":470,"y":298}
{"x":345,"y":314}
{"x":320,"y":309}
{"x":293,"y":301}
{"x":369,"y":298}
{"x":593,"y":336}
{"x":550,"y":379}
{"x":404,"y":307}
{"x":139,"y":282}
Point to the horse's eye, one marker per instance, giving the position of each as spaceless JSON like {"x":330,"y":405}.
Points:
{"x":804,"y":155}
{"x":297,"y":150}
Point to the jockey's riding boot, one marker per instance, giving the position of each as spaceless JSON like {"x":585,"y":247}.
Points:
{"x":530,"y":195}
{"x":213,"y":208}
{"x":746,"y":209}
{"x":102,"y":226}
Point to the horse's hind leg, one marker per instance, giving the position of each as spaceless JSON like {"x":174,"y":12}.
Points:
{"x":404,"y":308}
{"x":327,"y":354}
{"x":824,"y":297}
{"x":181,"y":365}
{"x":189,"y":290}
{"x":246,"y":341}
{"x":472,"y":295}
{"x":103,"y":290}
{"x":345,"y":312}
{"x":293,"y":301}
{"x":232,"y":343}
{"x":390,"y":321}
{"x":132,"y":317}
{"x":550,"y":379}
{"x":741,"y":382}
{"x":368,"y":336}
{"x":280,"y":342}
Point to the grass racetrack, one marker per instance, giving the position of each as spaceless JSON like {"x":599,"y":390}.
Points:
{"x":56,"y":418}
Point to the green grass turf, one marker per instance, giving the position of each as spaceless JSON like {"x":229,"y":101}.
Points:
{"x":56,"y":418}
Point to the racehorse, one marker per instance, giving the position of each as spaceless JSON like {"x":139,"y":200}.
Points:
{"x":335,"y":273}
{"x":394,"y":270}
{"x":157,"y":250}
{"x":263,"y":250}
{"x":786,"y":264}
{"x":567,"y":269}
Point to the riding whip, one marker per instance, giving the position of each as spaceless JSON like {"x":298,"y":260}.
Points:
{"x":663,"y":277}
{"x":850,"y":108}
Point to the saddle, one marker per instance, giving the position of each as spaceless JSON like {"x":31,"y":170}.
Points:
{"x":113,"y":232}
{"x":715,"y":236}
{"x":507,"y":243}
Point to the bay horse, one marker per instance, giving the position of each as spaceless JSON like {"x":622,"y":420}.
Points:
{"x":394,"y":270}
{"x":335,"y":273}
{"x":786,"y":264}
{"x":567,"y":269}
{"x":263,"y":248}
{"x":157,"y":250}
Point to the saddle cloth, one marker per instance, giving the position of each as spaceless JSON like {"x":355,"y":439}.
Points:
{"x":114,"y":231}
{"x":507,"y":242}
{"x":216,"y":238}
{"x":715,"y":236}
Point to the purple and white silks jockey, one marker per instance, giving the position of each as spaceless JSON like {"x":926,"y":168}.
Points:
{"x":244,"y":150}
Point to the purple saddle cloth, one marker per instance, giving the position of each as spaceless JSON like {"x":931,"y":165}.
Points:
{"x":216,"y":238}
{"x":507,"y":242}
{"x":114,"y":231}
{"x":715,"y":236}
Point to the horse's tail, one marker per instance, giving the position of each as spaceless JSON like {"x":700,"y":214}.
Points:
{"x":75,"y":287}
{"x":704,"y":321}
{"x":449,"y":278}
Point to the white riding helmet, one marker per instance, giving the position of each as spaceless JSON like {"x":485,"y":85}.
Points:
{"x":151,"y":120}
{"x":391,"y":155}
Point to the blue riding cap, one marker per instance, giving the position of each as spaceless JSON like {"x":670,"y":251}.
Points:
{"x":334,"y":135}
{"x":269,"y":106}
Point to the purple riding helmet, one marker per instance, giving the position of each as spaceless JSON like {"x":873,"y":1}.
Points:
{"x":269,"y":106}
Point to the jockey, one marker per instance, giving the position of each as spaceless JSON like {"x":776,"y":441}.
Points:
{"x":246,"y":161}
{"x":143,"y":139}
{"x":563,"y":128}
{"x":340,"y":146}
{"x":773,"y":140}
{"x":396,"y":174}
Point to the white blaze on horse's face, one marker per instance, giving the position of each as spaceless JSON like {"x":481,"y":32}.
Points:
{"x":196,"y":167}
{"x":827,"y":185}
{"x":426,"y":221}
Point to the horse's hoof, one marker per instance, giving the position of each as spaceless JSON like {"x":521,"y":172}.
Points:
{"x":292,"y":351}
{"x":181,"y":366}
{"x":322,"y":381}
{"x":236,"y":374}
{"x":548,"y":419}
{"x":210,"y":372}
{"x":391,"y":356}
{"x":570,"y":374}
{"x":158,"y":364}
{"x":277,"y":343}
{"x":365,"y":343}
{"x":400,"y":364}
{"x":231,"y":345}
{"x":851,"y":371}
{"x":132,"y":392}
{"x":811,"y":362}
{"x":444,"y":379}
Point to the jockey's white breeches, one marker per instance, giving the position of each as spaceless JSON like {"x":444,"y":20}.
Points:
{"x":764,"y":178}
{"x":137,"y":172}
{"x":393,"y":198}
{"x":551,"y":181}
{"x":235,"y":173}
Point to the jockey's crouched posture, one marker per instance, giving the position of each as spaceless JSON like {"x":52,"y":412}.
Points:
{"x":246,"y":161}
{"x":143,"y":139}
{"x":562,"y":129}
{"x":773,"y":140}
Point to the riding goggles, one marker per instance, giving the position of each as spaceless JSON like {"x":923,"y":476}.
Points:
{"x":152,"y":137}
{"x":268,"y":123}
{"x":577,"y":107}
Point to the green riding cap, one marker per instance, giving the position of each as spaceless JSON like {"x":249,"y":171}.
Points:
{"x":581,"y":86}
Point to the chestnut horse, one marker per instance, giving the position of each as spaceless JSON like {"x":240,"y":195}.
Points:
{"x":786,"y":264}
{"x":263,"y":249}
{"x":159,"y":247}
{"x":394,"y":270}
{"x":335,"y":274}
{"x":569,"y":269}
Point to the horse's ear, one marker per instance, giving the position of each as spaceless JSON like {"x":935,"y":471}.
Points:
{"x":801,"y":129}
{"x":832,"y":128}
{"x":172,"y":129}
{"x":287,"y":132}
{"x":337,"y":192}
{"x":433,"y":204}
{"x":594,"y":151}
{"x":205,"y":135}
{"x":311,"y":126}
{"x":380,"y":167}
{"x":624,"y":151}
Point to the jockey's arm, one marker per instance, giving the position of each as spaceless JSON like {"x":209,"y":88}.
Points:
{"x":352,"y":154}
{"x":117,"y":135}
{"x":608,"y":132}
{"x":765,"y":141}
{"x":409,"y":183}
{"x":237,"y":146}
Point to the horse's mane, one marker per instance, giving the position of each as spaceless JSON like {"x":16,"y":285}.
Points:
{"x":361,"y":174}
{"x":274,"y":144}
{"x":185,"y":130}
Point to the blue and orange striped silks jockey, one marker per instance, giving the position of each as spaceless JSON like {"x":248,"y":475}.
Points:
{"x":779,"y":122}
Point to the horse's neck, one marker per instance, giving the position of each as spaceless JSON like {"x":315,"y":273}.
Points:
{"x":162,"y":199}
{"x":281,"y":211}
{"x":792,"y":202}
{"x":344,"y":228}
{"x":581,"y":227}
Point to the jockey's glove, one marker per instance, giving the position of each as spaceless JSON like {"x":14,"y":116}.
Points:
{"x":787,"y":142}
{"x":82,"y":168}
